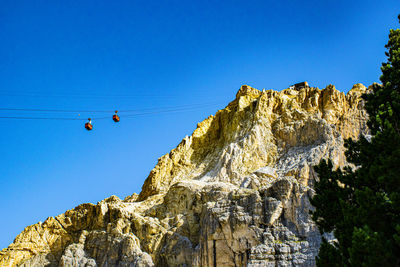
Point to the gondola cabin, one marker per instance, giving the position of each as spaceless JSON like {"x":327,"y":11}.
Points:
{"x":115,"y":117}
{"x":89,"y":125}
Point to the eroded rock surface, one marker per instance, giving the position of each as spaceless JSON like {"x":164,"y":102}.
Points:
{"x":234,"y":193}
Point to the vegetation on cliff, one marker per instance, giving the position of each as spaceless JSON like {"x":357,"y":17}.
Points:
{"x":362,"y":205}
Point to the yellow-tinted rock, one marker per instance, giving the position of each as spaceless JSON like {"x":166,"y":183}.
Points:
{"x":258,"y":123}
{"x":237,"y":187}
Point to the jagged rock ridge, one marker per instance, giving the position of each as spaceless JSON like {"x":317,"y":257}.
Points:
{"x":234,"y":193}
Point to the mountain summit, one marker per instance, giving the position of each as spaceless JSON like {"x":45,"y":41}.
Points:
{"x":234,"y":193}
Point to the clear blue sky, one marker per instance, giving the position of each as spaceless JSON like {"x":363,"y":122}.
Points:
{"x":147,"y":54}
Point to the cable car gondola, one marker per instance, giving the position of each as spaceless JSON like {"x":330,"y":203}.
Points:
{"x":89,"y":125}
{"x":115,"y":116}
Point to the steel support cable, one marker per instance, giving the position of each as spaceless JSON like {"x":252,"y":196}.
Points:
{"x":154,"y":112}
{"x":103,"y":111}
{"x":47,"y":95}
{"x":43,"y":94}
{"x":42,"y":118}
{"x":174,"y":107}
{"x":102,"y":118}
{"x":55,"y":110}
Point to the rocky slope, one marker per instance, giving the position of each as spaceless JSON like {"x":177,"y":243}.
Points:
{"x":235,"y":193}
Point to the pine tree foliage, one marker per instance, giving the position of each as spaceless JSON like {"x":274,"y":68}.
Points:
{"x":361,"y":205}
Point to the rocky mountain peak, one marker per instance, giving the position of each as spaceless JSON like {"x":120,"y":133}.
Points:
{"x":253,"y":131}
{"x":234,"y":193}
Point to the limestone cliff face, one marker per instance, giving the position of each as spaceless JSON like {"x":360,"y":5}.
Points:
{"x":235,"y":193}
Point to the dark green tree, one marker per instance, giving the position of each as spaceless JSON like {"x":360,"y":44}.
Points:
{"x":361,"y":206}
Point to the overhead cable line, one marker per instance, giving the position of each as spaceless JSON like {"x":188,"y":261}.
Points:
{"x":33,"y":94}
{"x":104,"y":111}
{"x":101,"y":118}
{"x":156,"y":112}
{"x":41,"y":118}
{"x":48,"y":95}
{"x":53,"y":110}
